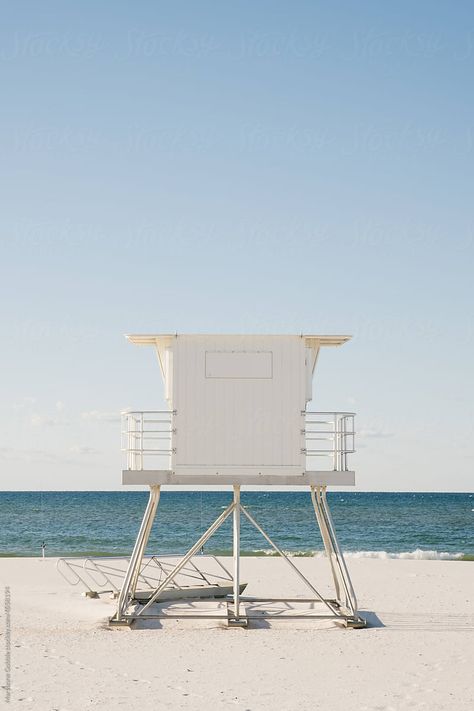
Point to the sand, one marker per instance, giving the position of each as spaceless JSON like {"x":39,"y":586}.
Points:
{"x":419,"y":653}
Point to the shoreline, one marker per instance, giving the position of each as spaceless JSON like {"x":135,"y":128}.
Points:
{"x":417,"y":554}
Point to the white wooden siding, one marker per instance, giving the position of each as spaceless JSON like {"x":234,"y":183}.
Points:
{"x":238,"y":416}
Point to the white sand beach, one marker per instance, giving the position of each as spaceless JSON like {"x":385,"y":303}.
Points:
{"x":418,"y":652}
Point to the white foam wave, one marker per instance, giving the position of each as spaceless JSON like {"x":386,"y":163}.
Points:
{"x":417,"y":554}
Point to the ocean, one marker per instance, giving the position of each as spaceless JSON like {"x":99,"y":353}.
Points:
{"x":398,"y":525}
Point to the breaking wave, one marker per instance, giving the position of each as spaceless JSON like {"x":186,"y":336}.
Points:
{"x":417,"y":554}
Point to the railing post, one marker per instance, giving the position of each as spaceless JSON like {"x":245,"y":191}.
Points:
{"x":142,"y":418}
{"x":130,"y":441}
{"x":343,"y":444}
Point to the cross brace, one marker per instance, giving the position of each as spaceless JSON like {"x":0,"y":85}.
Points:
{"x":341,"y":608}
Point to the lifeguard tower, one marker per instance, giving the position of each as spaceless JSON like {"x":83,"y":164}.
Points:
{"x":238,"y":416}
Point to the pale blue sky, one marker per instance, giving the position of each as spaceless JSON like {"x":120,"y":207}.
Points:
{"x":237,"y":167}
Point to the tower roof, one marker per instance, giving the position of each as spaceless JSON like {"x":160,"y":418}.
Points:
{"x":155,"y":339}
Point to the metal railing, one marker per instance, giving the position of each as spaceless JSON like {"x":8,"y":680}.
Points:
{"x":105,"y":574}
{"x":330,"y":435}
{"x":145,"y":433}
{"x":150,"y":433}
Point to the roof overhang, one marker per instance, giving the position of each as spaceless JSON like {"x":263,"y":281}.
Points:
{"x":156,"y":339}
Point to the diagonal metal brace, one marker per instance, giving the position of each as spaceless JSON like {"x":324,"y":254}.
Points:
{"x":254,"y":523}
{"x":192,"y":551}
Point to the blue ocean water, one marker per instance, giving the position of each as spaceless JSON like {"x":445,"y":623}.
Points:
{"x":377,"y":524}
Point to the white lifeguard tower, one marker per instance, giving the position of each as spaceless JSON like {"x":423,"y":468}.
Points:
{"x":238,"y":416}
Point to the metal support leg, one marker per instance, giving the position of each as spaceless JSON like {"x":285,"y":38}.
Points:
{"x":351,"y":600}
{"x":144,"y":543}
{"x":326,"y":540}
{"x":344,"y":590}
{"x":235,"y":619}
{"x":133,"y":569}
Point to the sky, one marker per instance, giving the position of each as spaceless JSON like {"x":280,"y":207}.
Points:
{"x":269,"y":167}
